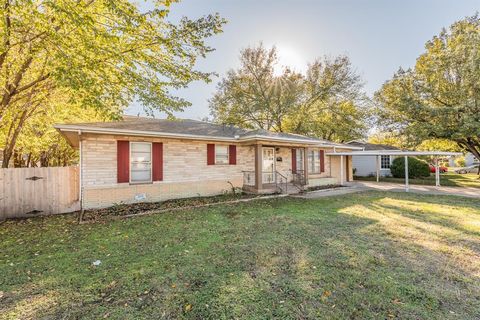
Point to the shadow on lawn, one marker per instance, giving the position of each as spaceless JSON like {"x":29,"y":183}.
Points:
{"x":354,"y":257}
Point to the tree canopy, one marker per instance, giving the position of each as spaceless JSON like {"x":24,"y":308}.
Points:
{"x":327,"y":102}
{"x":440,"y":97}
{"x":94,"y":54}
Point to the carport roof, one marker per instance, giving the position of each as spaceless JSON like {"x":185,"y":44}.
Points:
{"x":393,"y":153}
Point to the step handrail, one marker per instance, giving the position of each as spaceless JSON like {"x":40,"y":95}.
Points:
{"x":282,"y":177}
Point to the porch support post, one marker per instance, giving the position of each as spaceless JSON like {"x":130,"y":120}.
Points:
{"x":407,"y":188}
{"x":305,"y":165}
{"x":378,"y":168}
{"x":341,"y":171}
{"x":437,"y":173}
{"x":258,"y":167}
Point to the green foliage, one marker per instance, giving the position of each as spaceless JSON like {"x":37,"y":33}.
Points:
{"x":438,"y":144}
{"x":438,"y":98}
{"x":99,"y":55}
{"x":327,"y":102}
{"x":416,"y":168}
{"x":460,"y":162}
{"x":389,"y":138}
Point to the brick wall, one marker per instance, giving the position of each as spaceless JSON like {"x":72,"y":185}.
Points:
{"x":185,"y":172}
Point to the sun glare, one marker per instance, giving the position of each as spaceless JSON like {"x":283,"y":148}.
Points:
{"x":288,"y":56}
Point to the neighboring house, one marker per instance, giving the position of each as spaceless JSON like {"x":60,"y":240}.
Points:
{"x":140,"y":159}
{"x":470,"y":160}
{"x":367,"y":165}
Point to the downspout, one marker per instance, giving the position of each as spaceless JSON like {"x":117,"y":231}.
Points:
{"x":80,"y":191}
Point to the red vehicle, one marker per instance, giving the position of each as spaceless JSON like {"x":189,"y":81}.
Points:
{"x":440,"y":168}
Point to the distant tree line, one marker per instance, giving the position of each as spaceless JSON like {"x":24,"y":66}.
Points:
{"x":327,"y":101}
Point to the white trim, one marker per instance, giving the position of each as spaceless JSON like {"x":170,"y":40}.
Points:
{"x":274,"y":163}
{"x":313,"y":162}
{"x":228,"y":154}
{"x":389,"y":162}
{"x":80,"y":173}
{"x":394,"y":153}
{"x":130,"y":162}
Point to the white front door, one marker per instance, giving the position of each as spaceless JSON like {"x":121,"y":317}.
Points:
{"x":268,"y":165}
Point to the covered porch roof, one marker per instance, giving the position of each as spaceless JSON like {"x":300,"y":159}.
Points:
{"x":394,"y":153}
{"x":405,"y":154}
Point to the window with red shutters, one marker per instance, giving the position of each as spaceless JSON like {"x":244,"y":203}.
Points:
{"x":157,"y":161}
{"x":322,"y":160}
{"x":123,"y":161}
{"x":232,"y":154}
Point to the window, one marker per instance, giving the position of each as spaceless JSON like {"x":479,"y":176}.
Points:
{"x":299,"y":159}
{"x":221,"y":154}
{"x":314,"y":161}
{"x":140,"y":162}
{"x":385,"y":162}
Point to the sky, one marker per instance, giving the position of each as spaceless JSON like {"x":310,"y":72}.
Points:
{"x":379,"y":36}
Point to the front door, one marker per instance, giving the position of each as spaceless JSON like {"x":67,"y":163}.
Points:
{"x":268,"y":165}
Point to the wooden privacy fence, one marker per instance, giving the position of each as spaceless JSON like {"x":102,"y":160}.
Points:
{"x":26,"y":192}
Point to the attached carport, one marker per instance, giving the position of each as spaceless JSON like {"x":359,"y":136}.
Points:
{"x":406,"y":154}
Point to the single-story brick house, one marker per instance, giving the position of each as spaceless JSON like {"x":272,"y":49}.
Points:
{"x":367,"y":165}
{"x":143,"y":159}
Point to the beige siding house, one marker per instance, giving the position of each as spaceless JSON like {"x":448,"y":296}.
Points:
{"x":139,"y":159}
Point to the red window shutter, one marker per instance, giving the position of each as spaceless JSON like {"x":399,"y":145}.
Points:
{"x":322,"y":160}
{"x":232,"y":154}
{"x":210,"y":154}
{"x":157,"y":161}
{"x":123,"y":161}
{"x":294,"y":160}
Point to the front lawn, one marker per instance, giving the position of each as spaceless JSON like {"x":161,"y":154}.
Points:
{"x":370,"y":255}
{"x":449,"y":179}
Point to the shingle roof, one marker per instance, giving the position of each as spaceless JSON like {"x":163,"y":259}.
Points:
{"x":180,"y":126}
{"x":372,"y":146}
{"x":190,"y":127}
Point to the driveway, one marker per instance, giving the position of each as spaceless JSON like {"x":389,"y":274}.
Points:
{"x":385,"y":186}
{"x":359,"y":186}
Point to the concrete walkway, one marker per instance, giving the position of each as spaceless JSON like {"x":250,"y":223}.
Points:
{"x":396,"y":187}
{"x":359,"y":186}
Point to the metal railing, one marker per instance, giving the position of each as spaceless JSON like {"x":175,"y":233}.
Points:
{"x":280,"y":181}
{"x":298,"y":179}
{"x":249,"y":178}
{"x":268,"y":177}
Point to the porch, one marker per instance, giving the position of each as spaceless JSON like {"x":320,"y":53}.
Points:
{"x":283,"y":168}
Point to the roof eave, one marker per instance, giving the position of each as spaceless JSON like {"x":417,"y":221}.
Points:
{"x":86,"y":129}
{"x":394,"y":152}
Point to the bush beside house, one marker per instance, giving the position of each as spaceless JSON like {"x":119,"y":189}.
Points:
{"x":416,"y":168}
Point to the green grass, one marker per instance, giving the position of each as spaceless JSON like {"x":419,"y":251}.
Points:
{"x":449,"y":179}
{"x":370,"y":255}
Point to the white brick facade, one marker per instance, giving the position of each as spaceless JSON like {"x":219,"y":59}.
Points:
{"x":185,"y":171}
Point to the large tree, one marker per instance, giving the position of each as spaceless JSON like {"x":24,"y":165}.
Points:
{"x":326,"y":102}
{"x":98,"y":54}
{"x":440,"y":97}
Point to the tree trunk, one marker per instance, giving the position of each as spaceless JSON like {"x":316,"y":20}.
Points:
{"x":7,"y":154}
{"x":471,"y":146}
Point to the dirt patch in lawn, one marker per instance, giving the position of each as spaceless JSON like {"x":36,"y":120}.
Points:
{"x":122,"y":209}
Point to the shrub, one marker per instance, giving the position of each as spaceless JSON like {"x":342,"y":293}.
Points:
{"x":460,"y":162}
{"x":416,"y":168}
